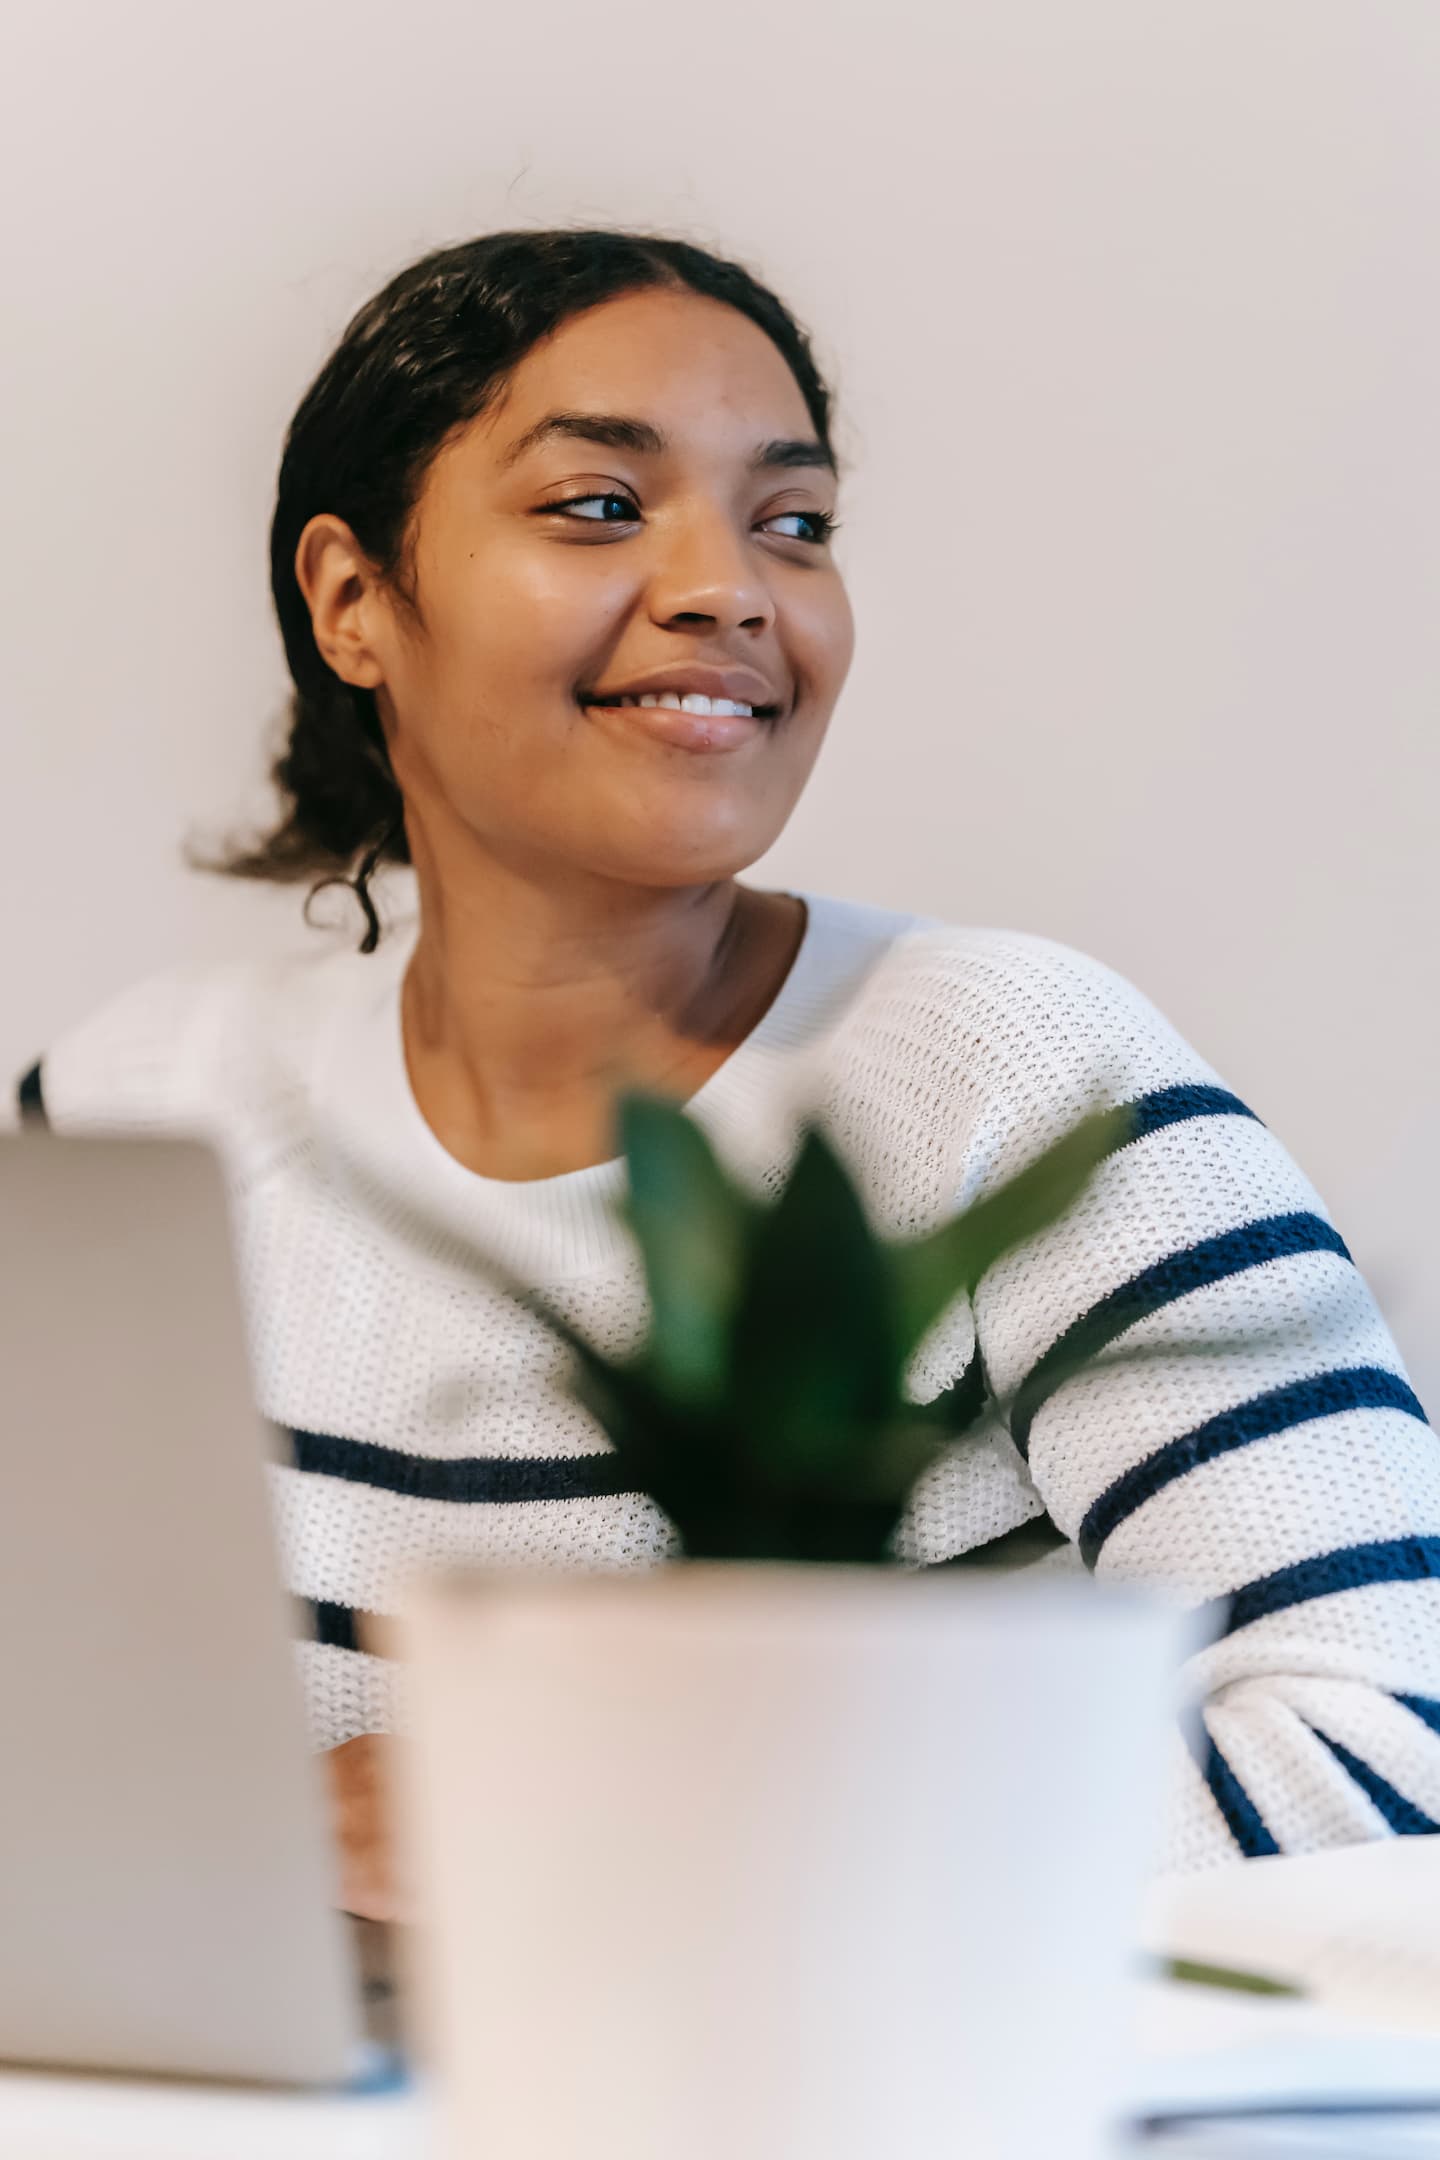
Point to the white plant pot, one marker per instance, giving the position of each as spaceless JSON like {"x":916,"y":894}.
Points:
{"x":733,"y":1860}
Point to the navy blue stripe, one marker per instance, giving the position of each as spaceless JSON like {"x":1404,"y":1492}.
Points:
{"x":30,"y":1098}
{"x":494,"y":1478}
{"x":1275,"y":1237}
{"x":1242,"y":1818}
{"x":1174,"y":1105}
{"x":1402,"y":1815}
{"x":334,"y":1624}
{"x":1353,"y":1567}
{"x":1351,"y":1387}
{"x":1424,"y":1707}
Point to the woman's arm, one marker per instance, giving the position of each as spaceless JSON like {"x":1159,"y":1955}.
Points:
{"x":360,"y":1776}
{"x":1295,"y":1475}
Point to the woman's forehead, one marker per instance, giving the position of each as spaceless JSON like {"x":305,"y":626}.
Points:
{"x":686,"y":371}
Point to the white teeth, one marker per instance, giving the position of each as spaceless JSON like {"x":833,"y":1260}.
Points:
{"x":691,"y":702}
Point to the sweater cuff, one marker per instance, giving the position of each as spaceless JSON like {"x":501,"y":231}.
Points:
{"x":348,"y":1692}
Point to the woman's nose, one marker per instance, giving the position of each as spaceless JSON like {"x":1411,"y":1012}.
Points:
{"x":709,"y":572}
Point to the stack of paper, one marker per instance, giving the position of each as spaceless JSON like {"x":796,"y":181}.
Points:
{"x":1357,"y":1931}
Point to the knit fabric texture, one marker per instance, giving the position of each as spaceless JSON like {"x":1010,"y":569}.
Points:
{"x":1294,"y":1478}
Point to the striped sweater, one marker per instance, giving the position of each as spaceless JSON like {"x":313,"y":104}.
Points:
{"x":1295,"y":1480}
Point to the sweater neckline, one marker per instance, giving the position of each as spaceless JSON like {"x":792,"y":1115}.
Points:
{"x":542,"y":1229}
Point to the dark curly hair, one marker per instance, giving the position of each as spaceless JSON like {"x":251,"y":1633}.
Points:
{"x":416,"y":365}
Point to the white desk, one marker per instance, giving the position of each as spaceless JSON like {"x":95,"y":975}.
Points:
{"x":1192,"y":2032}
{"x":1192,"y":2046}
{"x":50,"y":2117}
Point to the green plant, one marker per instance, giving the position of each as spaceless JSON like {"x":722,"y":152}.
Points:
{"x":765,"y":1412}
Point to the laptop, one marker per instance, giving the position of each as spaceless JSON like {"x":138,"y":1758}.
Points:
{"x":167,"y":1877}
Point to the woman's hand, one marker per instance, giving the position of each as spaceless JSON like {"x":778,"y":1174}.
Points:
{"x":361,"y":1773}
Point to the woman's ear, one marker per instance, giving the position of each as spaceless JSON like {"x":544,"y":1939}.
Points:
{"x":339,"y":587}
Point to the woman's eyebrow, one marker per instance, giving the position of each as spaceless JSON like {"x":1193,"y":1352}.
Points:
{"x":617,"y":431}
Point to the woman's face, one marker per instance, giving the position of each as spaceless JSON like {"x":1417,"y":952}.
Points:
{"x":551,"y":568}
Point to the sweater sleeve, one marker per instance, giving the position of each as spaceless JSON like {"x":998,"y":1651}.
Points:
{"x":1291,"y":1477}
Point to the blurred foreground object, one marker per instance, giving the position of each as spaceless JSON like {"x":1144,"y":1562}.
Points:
{"x":745,"y":1858}
{"x":166,"y":1876}
{"x":758,"y":1852}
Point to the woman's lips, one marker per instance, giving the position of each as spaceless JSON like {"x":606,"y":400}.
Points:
{"x":686,"y":730}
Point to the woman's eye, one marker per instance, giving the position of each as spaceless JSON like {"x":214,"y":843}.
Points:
{"x":823,"y":521}
{"x":575,"y":501}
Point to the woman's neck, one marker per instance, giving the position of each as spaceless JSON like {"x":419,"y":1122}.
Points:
{"x":527,"y":1012}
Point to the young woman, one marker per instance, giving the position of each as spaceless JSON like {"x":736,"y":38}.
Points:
{"x":552,"y":567}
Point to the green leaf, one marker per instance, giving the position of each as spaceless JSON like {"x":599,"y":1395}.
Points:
{"x":892,"y":1458}
{"x":932,"y":1271}
{"x":816,"y":1349}
{"x":692,"y":1222}
{"x":662,"y":1451}
{"x":1199,"y":1974}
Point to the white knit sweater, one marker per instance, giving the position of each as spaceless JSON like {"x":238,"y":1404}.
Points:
{"x":429,"y":1415}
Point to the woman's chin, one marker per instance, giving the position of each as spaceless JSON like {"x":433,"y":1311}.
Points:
{"x":659,"y":854}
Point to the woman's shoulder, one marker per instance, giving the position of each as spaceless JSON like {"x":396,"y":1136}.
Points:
{"x":1006,"y":1010}
{"x":174,"y":1047}
{"x":960,"y":959}
{"x":966,"y":958}
{"x":965,"y":953}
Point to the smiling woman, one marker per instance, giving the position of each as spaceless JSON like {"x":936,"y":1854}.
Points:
{"x":551,"y":558}
{"x":583,"y":461}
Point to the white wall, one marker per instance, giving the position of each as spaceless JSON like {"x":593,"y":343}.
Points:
{"x":1133,"y":314}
